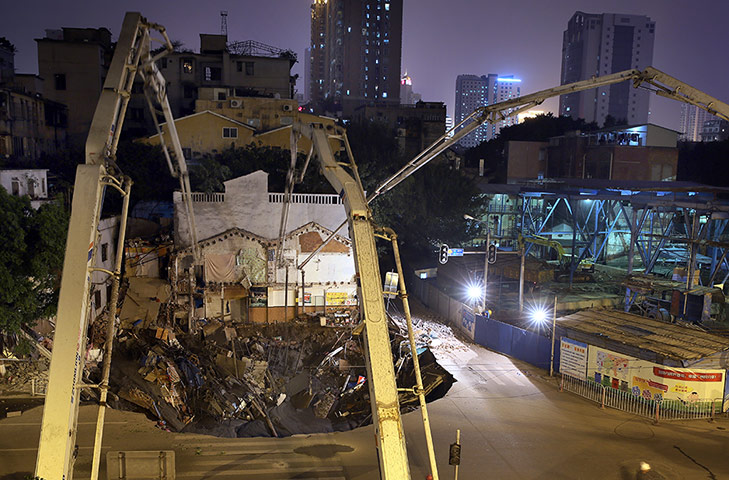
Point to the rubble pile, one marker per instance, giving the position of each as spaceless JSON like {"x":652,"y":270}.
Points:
{"x":430,"y":330}
{"x":240,"y":380}
{"x":24,"y":377}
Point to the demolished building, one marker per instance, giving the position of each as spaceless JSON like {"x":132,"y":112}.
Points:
{"x":239,"y":272}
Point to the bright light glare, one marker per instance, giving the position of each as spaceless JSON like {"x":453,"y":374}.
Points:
{"x":540,"y":316}
{"x":474,"y":292}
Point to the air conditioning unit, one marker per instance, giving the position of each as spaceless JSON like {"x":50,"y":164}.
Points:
{"x":236,"y":103}
{"x":288,"y":108}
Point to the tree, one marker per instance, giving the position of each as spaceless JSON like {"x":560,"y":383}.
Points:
{"x":212,"y":170}
{"x":703,"y":162}
{"x":539,"y":129}
{"x":147,"y":167}
{"x":427,"y":208}
{"x":34,"y":243}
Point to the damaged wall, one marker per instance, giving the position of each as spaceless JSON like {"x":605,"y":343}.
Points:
{"x":247,"y":204}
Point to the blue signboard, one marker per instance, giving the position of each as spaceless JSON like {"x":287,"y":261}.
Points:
{"x":455,"y":252}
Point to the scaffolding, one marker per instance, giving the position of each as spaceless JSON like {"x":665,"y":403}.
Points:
{"x":649,"y":228}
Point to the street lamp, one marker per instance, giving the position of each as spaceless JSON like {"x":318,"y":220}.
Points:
{"x":540,"y":316}
{"x":485,"y":261}
{"x":474,"y":292}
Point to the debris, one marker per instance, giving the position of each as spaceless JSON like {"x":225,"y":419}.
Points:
{"x":226,"y":378}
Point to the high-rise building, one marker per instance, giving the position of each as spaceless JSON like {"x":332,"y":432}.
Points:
{"x":317,"y":52}
{"x":449,"y":124}
{"x":306,"y":88}
{"x":355,"y":53}
{"x":473,"y":92}
{"x":715,"y":130}
{"x":600,"y":44}
{"x":693,"y":119}
{"x":407,"y":96}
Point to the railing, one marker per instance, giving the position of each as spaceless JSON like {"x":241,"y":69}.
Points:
{"x":666,"y":409}
{"x":699,"y":409}
{"x":298,"y":198}
{"x":202,"y":197}
{"x":307,"y":198}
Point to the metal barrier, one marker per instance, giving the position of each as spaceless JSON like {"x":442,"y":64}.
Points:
{"x":667,"y":409}
{"x":627,"y":402}
{"x":691,"y":410}
{"x":590,"y":390}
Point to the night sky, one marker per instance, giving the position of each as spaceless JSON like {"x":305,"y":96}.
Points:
{"x":441,"y":39}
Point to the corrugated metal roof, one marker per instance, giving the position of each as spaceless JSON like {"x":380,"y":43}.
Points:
{"x":670,"y":340}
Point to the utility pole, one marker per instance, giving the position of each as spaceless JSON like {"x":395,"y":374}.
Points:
{"x":486,"y":269}
{"x":554,"y":327}
{"x":521,"y":280}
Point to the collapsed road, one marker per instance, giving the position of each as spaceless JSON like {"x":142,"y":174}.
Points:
{"x":244,"y":380}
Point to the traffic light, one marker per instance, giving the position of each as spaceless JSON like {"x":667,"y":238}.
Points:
{"x":492,"y":254}
{"x":443,"y":254}
{"x":454,"y":457}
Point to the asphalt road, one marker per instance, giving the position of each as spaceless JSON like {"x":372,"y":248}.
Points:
{"x":515,"y":424}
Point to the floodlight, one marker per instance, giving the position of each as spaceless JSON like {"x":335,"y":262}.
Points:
{"x":539,"y":316}
{"x":474,"y":292}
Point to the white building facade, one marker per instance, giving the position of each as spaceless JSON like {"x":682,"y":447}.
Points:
{"x":30,"y":182}
{"x":238,"y":234}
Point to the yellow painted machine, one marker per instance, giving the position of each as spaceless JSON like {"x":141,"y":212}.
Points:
{"x":133,"y":56}
{"x":583,"y":272}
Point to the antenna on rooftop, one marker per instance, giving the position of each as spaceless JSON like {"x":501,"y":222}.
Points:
{"x":224,"y":22}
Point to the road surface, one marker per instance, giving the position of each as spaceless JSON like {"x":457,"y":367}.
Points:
{"x":515,"y":424}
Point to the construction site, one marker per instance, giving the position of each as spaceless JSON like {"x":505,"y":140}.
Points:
{"x":250,"y":313}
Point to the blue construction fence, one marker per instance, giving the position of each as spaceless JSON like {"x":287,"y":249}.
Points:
{"x":526,"y":345}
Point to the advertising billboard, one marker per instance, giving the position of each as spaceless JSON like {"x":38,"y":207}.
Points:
{"x":652,"y":381}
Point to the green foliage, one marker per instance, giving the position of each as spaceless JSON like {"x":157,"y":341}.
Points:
{"x":147,"y":167}
{"x":212,"y":170}
{"x":30,"y":261}
{"x":424,"y":210}
{"x":704,"y":162}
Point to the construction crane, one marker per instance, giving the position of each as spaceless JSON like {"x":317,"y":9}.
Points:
{"x":132,"y":56}
{"x":378,"y":354}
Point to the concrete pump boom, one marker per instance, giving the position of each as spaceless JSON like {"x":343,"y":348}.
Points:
{"x":132,"y":56}
{"x":662,"y":84}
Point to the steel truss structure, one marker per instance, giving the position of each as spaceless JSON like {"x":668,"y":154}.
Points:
{"x":676,"y":225}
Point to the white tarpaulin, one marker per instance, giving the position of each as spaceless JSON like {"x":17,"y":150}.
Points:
{"x":220,"y":268}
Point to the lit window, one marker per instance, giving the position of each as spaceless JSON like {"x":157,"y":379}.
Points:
{"x":384,"y":94}
{"x":187,"y":65}
{"x":387,"y":6}
{"x":347,"y":92}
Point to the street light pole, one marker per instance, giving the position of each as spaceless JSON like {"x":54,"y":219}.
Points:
{"x":486,"y":269}
{"x":521,"y":279}
{"x":554,"y":325}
